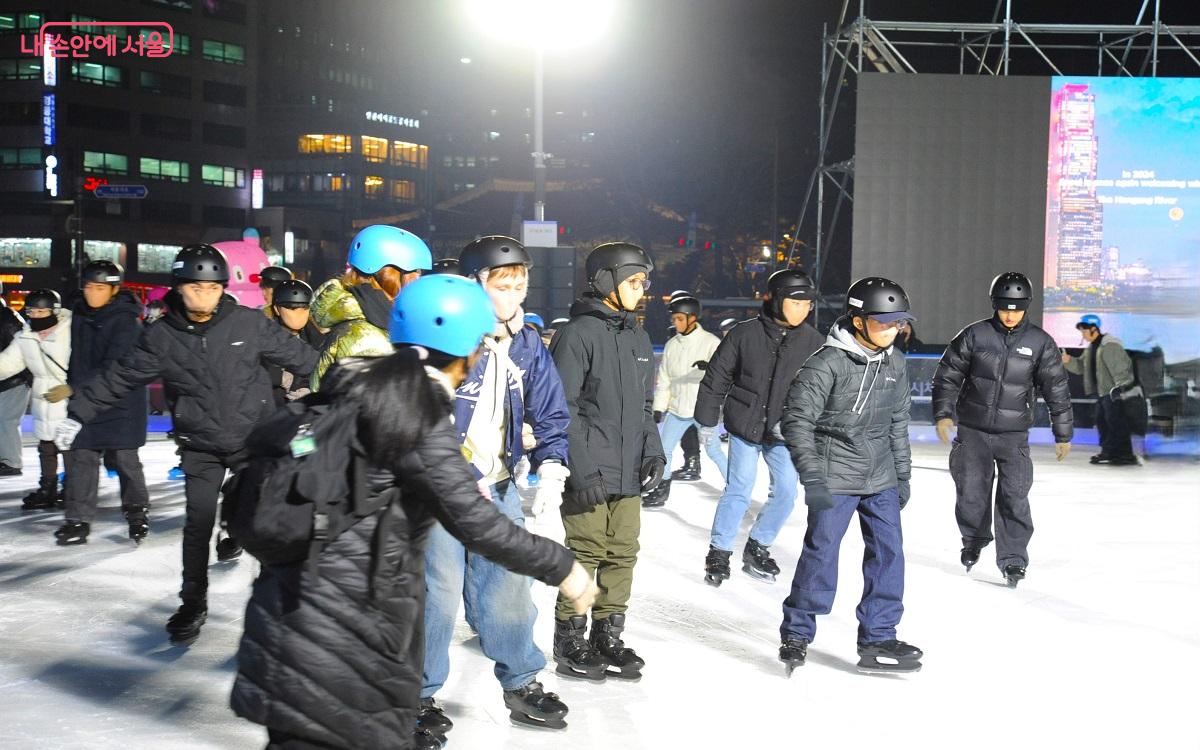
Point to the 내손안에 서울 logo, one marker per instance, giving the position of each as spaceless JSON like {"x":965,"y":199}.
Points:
{"x":62,"y":39}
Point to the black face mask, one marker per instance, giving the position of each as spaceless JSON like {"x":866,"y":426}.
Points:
{"x":42,"y":324}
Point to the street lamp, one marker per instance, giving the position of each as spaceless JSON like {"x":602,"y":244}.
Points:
{"x":541,"y":25}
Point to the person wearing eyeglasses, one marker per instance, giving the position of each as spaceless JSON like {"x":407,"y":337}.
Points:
{"x":986,"y":382}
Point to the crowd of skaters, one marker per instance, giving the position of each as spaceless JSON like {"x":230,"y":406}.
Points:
{"x":460,"y":395}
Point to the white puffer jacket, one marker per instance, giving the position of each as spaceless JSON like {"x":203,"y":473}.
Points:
{"x":47,"y":359}
{"x":678,"y":381}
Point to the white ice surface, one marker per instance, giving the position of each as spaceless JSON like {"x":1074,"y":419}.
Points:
{"x":1098,"y":648}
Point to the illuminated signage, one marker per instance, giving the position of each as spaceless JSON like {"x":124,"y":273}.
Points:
{"x":256,"y":188}
{"x":51,"y":176}
{"x":408,"y":122}
{"x":48,"y":133}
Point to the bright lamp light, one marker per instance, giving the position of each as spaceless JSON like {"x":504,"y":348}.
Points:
{"x":548,"y":24}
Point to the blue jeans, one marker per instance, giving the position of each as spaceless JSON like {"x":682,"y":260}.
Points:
{"x":498,"y":605}
{"x":739,"y":483}
{"x":671,"y":432}
{"x":815,"y":582}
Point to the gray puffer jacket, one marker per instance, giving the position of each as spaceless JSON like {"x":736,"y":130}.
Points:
{"x":846,"y":417}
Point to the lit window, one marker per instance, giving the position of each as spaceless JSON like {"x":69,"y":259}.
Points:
{"x":374,"y":149}
{"x":25,"y":251}
{"x":21,"y":70}
{"x":411,"y":155}
{"x":156,"y":258}
{"x":98,"y":75}
{"x":99,"y":161}
{"x":324,"y":143}
{"x":18,"y":158}
{"x":164,"y":169}
{"x":404,"y":190}
{"x":373,"y":185}
{"x":492,"y":135}
{"x":215,"y":174}
{"x":234,"y":54}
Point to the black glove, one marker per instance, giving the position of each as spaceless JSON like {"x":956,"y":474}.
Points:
{"x":905,"y":490}
{"x":700,"y":364}
{"x":592,"y":493}
{"x":652,"y":473}
{"x":817,"y":496}
{"x":658,"y":417}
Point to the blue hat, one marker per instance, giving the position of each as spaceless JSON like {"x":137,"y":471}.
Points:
{"x":535,"y":319}
{"x":1089,"y":321}
{"x":383,"y":245}
{"x":446,"y":313}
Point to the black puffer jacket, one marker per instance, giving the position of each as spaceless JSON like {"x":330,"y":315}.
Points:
{"x":10,"y":326}
{"x":337,"y":657}
{"x":846,"y":421}
{"x":750,"y":373}
{"x":98,"y":338}
{"x":606,"y":364}
{"x":212,"y":372}
{"x":310,"y":335}
{"x":987,"y":376}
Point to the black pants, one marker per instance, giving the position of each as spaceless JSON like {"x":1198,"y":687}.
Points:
{"x":1113,"y":428}
{"x":48,"y":457}
{"x":277,"y":740}
{"x":976,"y":459}
{"x":83,"y":478}
{"x":690,"y":443}
{"x":203,"y":475}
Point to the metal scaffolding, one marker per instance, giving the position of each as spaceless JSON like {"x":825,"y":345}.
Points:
{"x":1001,"y":46}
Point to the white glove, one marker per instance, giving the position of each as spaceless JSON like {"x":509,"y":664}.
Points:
{"x":552,"y":476}
{"x":528,"y":441}
{"x":64,"y":434}
{"x":579,"y":588}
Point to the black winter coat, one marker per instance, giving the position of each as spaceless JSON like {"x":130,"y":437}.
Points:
{"x":987,"y":376}
{"x":337,"y":657}
{"x":606,"y":364}
{"x":10,"y":326}
{"x":310,"y":335}
{"x":750,"y":373}
{"x":99,"y":338}
{"x":212,"y":373}
{"x":846,"y":421}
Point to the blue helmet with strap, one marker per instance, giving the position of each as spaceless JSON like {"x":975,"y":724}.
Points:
{"x":1091,"y":320}
{"x":535,"y":319}
{"x":383,"y":245}
{"x":442,"y":312}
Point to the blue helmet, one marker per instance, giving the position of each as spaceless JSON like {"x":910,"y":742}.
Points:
{"x":535,"y":319}
{"x":447,"y":313}
{"x":383,"y":245}
{"x":1090,"y":320}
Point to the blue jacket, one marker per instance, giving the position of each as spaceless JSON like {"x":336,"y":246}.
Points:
{"x":543,"y":400}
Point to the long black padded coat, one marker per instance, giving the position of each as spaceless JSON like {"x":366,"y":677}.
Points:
{"x":988,"y":375}
{"x":100,"y":337}
{"x":336,"y":657}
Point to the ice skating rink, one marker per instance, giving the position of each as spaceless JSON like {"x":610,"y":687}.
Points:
{"x":1096,"y":648}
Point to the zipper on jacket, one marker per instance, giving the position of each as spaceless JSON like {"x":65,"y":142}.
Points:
{"x":204,"y":344}
{"x":1008,"y":339}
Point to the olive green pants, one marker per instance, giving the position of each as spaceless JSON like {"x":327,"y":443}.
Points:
{"x":605,"y":542}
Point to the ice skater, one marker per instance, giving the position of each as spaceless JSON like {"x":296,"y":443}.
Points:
{"x":1107,"y":374}
{"x":846,"y":425}
{"x":987,"y":380}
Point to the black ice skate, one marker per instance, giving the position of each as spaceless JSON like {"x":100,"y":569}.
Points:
{"x":139,"y":526}
{"x":184,"y":625}
{"x":1013,"y":574}
{"x":716,"y":566}
{"x":227,"y":548}
{"x":969,"y":556}
{"x":575,"y":656}
{"x":657,"y":497}
{"x":423,"y":739}
{"x":39,"y":499}
{"x":793,"y":652}
{"x":690,"y":471}
{"x":72,"y":532}
{"x":624,"y":663}
{"x":888,"y":656}
{"x":531,"y":706}
{"x":757,"y":562}
{"x":433,"y":719}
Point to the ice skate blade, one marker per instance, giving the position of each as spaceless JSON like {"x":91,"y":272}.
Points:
{"x":617,"y":674}
{"x":524,"y":720}
{"x":715,"y":580}
{"x":65,"y":542}
{"x":789,"y":667}
{"x":184,"y":639}
{"x":652,"y":506}
{"x":582,"y":676}
{"x":758,"y":575}
{"x":872,"y":665}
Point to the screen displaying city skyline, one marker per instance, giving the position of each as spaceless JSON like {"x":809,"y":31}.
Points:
{"x":1123,"y":211}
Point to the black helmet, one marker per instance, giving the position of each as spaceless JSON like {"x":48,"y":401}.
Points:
{"x":790,"y":283}
{"x":879,"y":298}
{"x":446,"y":265}
{"x":103,"y":272}
{"x":272,"y":276}
{"x":686,"y":304}
{"x":43,"y":299}
{"x":620,"y":260}
{"x":489,"y":252}
{"x":1011,"y":291}
{"x":200,"y":263}
{"x":292,"y":292}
